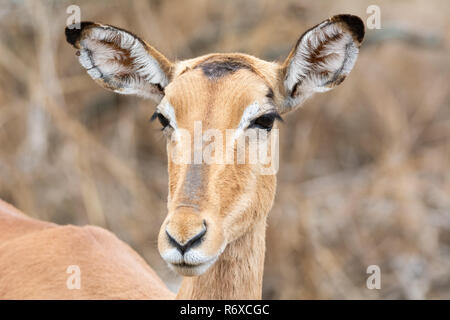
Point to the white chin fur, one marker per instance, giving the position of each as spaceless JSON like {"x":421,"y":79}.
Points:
{"x":193,"y":263}
{"x":192,"y":271}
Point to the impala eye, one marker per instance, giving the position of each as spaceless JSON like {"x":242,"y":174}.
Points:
{"x":162,"y":120}
{"x":265,"y":121}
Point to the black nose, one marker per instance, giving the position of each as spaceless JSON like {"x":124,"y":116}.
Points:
{"x":191,"y":243}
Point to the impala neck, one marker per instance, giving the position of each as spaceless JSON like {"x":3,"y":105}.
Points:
{"x":237,"y":274}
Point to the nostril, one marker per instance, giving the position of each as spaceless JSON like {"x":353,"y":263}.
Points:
{"x":196,"y":240}
{"x":191,"y":243}
{"x":173,"y":242}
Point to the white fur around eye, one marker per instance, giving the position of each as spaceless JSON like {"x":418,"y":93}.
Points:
{"x":251,"y":112}
{"x":167,"y":110}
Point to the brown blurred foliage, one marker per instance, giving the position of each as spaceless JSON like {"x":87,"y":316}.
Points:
{"x":364,"y":175}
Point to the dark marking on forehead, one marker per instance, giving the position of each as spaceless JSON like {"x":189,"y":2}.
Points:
{"x":215,"y":69}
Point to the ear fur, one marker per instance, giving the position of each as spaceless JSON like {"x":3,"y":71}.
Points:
{"x":322,"y":58}
{"x":120,"y":61}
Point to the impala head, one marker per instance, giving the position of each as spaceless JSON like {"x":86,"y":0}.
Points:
{"x":230,"y":96}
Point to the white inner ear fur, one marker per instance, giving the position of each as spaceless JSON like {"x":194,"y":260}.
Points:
{"x":102,"y":61}
{"x":337,"y":57}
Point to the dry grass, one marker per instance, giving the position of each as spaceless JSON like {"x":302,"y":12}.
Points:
{"x":364,"y":175}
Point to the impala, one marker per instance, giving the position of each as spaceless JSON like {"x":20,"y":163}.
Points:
{"x":214,"y":232}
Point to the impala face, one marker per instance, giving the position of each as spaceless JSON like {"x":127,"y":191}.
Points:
{"x":237,"y":97}
{"x":211,"y":204}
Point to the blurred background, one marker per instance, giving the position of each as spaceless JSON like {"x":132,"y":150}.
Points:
{"x":364,"y":169}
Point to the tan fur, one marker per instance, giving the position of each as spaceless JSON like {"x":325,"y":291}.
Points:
{"x":34,"y":257}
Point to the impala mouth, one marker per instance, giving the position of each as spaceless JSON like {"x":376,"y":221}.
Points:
{"x":190,"y":270}
{"x":186,"y":265}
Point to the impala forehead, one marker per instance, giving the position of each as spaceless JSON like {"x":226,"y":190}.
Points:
{"x":216,"y":94}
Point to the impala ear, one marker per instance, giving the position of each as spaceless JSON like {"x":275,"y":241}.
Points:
{"x":120,"y":61}
{"x":322,"y":58}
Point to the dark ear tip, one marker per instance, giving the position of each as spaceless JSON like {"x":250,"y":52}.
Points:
{"x":354,"y":24}
{"x":73,"y":32}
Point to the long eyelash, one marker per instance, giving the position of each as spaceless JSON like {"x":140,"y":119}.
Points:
{"x":154,"y":116}
{"x":274,"y":115}
{"x":278,"y":117}
{"x":271,"y":116}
